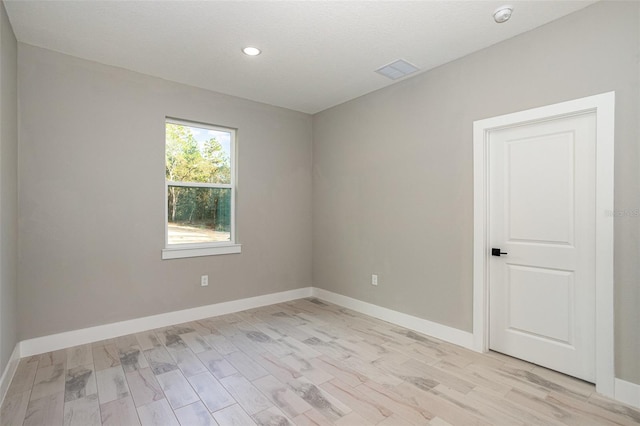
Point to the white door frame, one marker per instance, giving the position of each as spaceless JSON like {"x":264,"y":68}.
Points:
{"x":604,"y":107}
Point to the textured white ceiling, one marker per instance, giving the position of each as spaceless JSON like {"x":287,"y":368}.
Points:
{"x":316,"y":54}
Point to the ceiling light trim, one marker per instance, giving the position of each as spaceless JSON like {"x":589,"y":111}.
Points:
{"x":251,"y":51}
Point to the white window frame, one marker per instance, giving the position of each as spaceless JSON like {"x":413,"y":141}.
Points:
{"x":177,"y":251}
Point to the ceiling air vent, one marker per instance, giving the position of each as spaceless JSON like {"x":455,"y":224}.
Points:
{"x":397,"y":69}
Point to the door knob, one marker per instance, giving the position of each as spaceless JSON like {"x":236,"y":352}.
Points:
{"x":497,"y":252}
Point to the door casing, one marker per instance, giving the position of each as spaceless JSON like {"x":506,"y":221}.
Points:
{"x":604,"y":107}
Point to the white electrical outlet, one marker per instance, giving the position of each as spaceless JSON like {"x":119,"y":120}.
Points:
{"x":374,"y":279}
{"x":204,"y":280}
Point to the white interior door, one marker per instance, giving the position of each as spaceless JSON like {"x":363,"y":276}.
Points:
{"x":542,"y":187}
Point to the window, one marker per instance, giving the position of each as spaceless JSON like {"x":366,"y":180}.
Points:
{"x":200,"y":190}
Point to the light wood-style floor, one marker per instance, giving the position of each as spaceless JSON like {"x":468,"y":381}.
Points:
{"x":304,"y":362}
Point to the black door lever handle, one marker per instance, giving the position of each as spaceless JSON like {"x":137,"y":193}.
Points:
{"x":497,"y":252}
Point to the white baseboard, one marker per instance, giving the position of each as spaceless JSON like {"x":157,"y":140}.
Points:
{"x":439,"y":331}
{"x":68,"y":339}
{"x":627,"y":392}
{"x":9,"y":371}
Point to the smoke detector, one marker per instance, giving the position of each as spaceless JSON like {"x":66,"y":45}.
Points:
{"x":502,"y":14}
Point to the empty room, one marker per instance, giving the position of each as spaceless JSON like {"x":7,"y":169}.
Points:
{"x":319,"y":212}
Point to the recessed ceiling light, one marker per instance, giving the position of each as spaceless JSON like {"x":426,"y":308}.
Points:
{"x":251,"y":51}
{"x":502,"y":14}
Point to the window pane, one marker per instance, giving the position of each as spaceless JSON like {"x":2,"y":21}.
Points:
{"x":197,"y":154}
{"x":198,"y":215}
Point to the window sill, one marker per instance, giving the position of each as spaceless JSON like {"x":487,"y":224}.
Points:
{"x":179,"y":253}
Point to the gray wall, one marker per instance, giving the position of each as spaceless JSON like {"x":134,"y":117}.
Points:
{"x":92,"y":202}
{"x":392,"y":183}
{"x":393,"y":170}
{"x":8,"y":189}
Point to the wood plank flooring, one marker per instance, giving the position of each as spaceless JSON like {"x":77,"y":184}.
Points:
{"x":305,"y":362}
